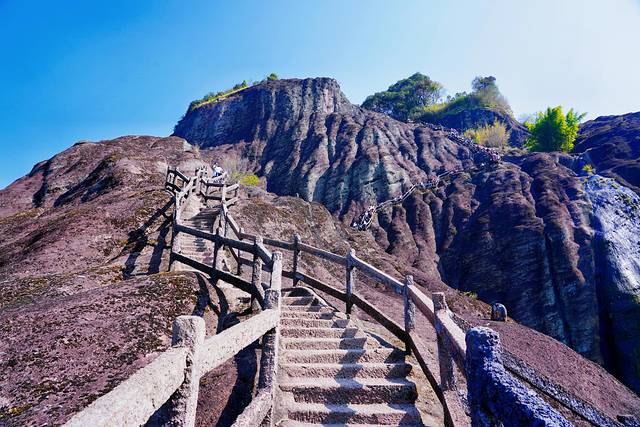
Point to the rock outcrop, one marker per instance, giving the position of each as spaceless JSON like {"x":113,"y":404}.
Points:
{"x":520,"y":233}
{"x":612,"y":145}
{"x":616,"y":212}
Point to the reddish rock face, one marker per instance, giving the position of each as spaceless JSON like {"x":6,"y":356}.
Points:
{"x":85,"y":299}
{"x":612,"y":145}
{"x":519,"y":233}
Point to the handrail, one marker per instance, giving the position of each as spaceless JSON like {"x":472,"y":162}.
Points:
{"x":377,"y":274}
{"x":174,"y":376}
{"x":221,"y":347}
{"x":134,"y":400}
{"x":451,"y":337}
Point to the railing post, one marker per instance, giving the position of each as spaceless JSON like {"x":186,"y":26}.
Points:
{"x":223,"y":195}
{"x":189,"y":332}
{"x":350,"y":278}
{"x":239,"y":272}
{"x":409,"y":311}
{"x":175,"y":235}
{"x":217,"y":258}
{"x":296,"y":255}
{"x":447,"y":375}
{"x":495,"y":397}
{"x":223,"y":220}
{"x":269,"y":357}
{"x":256,"y":273}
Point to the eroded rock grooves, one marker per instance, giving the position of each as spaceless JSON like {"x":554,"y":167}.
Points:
{"x":521,"y":234}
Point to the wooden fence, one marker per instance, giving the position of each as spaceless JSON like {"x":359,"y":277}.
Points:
{"x":173,"y":376}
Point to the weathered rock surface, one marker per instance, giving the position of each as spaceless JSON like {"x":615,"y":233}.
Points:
{"x":612,"y":145}
{"x":520,"y":233}
{"x":85,"y":299}
{"x":616,"y":210}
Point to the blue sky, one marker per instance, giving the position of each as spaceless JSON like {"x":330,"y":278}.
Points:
{"x":74,"y":70}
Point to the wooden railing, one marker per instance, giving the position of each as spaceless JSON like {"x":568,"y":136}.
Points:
{"x":174,"y":376}
{"x":172,"y":379}
{"x":451,"y":346}
{"x":450,"y":330}
{"x":192,"y":355}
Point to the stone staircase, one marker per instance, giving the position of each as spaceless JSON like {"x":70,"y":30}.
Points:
{"x":201,"y":217}
{"x":331,"y":372}
{"x":194,"y":247}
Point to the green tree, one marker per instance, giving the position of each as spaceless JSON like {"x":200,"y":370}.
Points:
{"x":271,"y":77}
{"x":552,"y":130}
{"x":407,"y":98}
{"x":488,"y":93}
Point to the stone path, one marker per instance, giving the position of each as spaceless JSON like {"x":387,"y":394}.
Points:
{"x":197,"y":248}
{"x":201,"y":217}
{"x":331,"y":372}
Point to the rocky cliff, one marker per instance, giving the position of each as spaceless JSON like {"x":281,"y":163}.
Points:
{"x":521,"y":233}
{"x":612,"y":145}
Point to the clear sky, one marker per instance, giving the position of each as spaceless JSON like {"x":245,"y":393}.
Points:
{"x":74,"y":70}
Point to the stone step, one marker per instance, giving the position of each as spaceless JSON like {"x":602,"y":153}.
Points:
{"x":315,"y":323}
{"x":290,"y":314}
{"x":350,"y":390}
{"x":309,"y":414}
{"x":196,"y":255}
{"x":327,"y":343}
{"x":294,"y":332}
{"x":377,"y":355}
{"x":347,"y":370}
{"x":307,"y":309}
{"x":297,"y":301}
{"x":195,"y":248}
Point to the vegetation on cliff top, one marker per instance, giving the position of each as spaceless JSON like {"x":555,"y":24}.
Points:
{"x":407,"y":98}
{"x":212,"y":97}
{"x":419,"y":98}
{"x":484,"y":94}
{"x":552,"y":130}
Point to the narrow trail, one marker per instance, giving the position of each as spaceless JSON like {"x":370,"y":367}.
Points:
{"x":485,"y":157}
{"x":332,"y":372}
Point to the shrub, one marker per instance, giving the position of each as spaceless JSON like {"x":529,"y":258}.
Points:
{"x":250,"y":180}
{"x":271,"y":77}
{"x":495,"y":135}
{"x":588,"y":168}
{"x":552,"y":130}
{"x":485,"y":94}
{"x":471,"y":295}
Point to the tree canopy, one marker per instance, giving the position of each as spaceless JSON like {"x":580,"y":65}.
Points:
{"x":552,"y":130}
{"x":418,"y":97}
{"x":405,"y":99}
